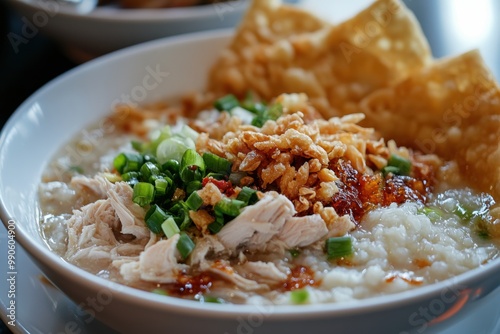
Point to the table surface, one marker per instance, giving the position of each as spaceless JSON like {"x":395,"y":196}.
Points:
{"x":451,"y":27}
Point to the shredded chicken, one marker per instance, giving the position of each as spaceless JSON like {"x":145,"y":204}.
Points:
{"x":257,"y":224}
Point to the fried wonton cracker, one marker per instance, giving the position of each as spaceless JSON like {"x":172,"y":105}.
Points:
{"x":451,"y":108}
{"x":336,"y":66}
{"x":268,"y":21}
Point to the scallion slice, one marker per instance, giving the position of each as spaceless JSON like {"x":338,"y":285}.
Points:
{"x":169,"y":227}
{"x":149,"y":169}
{"x":154,"y":218}
{"x":194,"y":201}
{"x":463,"y":212}
{"x":139,"y":146}
{"x":188,"y":132}
{"x":180,"y":212}
{"x":171,"y":149}
{"x":337,"y":247}
{"x":252,"y":105}
{"x":159,"y":137}
{"x":300,"y":296}
{"x":143,"y":193}
{"x":390,"y":170}
{"x":230,"y":207}
{"x":130,"y":176}
{"x":217,"y":164}
{"x":211,"y":299}
{"x":192,"y":166}
{"x":193,"y":186}
{"x":404,"y":165}
{"x":226,"y":103}
{"x":248,"y":195}
{"x":185,"y":245}
{"x":160,"y":291}
{"x":272,"y":112}
{"x":128,"y":162}
{"x":433,"y":213}
{"x":294,"y":252}
{"x":162,"y":185}
{"x":216,"y":225}
{"x":172,"y":166}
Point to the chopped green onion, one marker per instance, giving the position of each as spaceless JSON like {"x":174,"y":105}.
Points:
{"x":130,"y":176}
{"x":191,"y":173}
{"x":246,"y":116}
{"x":193,"y":186}
{"x":211,"y":299}
{"x":172,"y":166}
{"x":192,"y":166}
{"x":463,"y":212}
{"x":337,"y":247}
{"x":76,"y":169}
{"x":154,"y":218}
{"x":185,"y":245}
{"x":273,"y":112}
{"x":300,"y":296}
{"x":149,"y":169}
{"x":217,"y":164}
{"x":192,"y":158}
{"x":159,"y":137}
{"x":184,"y":219}
{"x":132,"y":182}
{"x":390,"y":170}
{"x":188,"y":132}
{"x":128,"y":162}
{"x":140,"y":146}
{"x":162,"y":185}
{"x":294,"y":252}
{"x":159,"y":291}
{"x":194,"y":201}
{"x":404,"y":165}
{"x":256,"y":108}
{"x":252,"y":105}
{"x":433,"y":213}
{"x":149,"y":158}
{"x":216,"y":225}
{"x":226,"y":103}
{"x":248,"y":195}
{"x":180,"y":212}
{"x":143,"y":193}
{"x":230,"y":207}
{"x":171,"y":149}
{"x":483,"y":234}
{"x":169,"y":227}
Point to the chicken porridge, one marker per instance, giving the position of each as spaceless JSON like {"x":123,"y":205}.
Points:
{"x":218,"y":209}
{"x":299,"y":176}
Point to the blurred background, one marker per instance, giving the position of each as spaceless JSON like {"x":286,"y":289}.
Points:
{"x":451,"y":26}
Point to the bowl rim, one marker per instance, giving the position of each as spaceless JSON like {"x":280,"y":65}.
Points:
{"x":43,"y":255}
{"x":117,"y":15}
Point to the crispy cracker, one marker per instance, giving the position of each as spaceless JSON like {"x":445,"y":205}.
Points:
{"x":336,"y":66}
{"x":451,"y":108}
{"x":268,"y":21}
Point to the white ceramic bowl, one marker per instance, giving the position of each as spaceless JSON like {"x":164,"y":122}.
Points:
{"x":110,"y":28}
{"x":65,"y":106}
